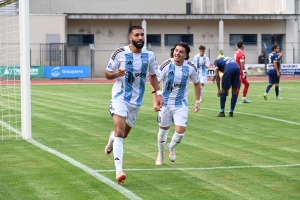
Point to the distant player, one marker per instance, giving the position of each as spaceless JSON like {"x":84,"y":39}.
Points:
{"x":202,"y":62}
{"x":273,"y":72}
{"x":230,"y":79}
{"x":240,"y":58}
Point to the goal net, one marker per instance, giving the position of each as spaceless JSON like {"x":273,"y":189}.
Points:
{"x":10,"y":70}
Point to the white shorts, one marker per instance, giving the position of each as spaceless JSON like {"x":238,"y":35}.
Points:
{"x":203,"y":79}
{"x":168,"y":115}
{"x":124,"y":109}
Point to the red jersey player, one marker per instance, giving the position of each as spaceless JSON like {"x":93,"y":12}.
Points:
{"x":239,"y":56}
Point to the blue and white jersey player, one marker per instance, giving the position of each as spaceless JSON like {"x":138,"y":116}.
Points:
{"x":174,"y":74}
{"x":202,"y":62}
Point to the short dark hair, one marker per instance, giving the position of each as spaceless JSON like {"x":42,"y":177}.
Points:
{"x":184,"y":45}
{"x":134,"y":27}
{"x":202,"y":47}
{"x":239,"y":44}
{"x":274,"y":47}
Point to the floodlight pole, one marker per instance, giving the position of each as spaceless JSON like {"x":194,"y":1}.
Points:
{"x":25,"y":68}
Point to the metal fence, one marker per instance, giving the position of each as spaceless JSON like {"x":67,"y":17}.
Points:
{"x":97,"y":55}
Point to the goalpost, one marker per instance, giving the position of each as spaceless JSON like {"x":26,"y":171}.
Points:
{"x":15,"y":95}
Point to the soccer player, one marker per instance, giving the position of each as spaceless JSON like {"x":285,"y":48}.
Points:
{"x":239,"y":57}
{"x":219,"y":56}
{"x":129,"y":65}
{"x":174,"y":74}
{"x":201,"y":61}
{"x":231,"y":78}
{"x":273,"y":72}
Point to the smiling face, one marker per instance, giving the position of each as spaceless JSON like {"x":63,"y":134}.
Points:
{"x":137,"y":38}
{"x":179,"y":55}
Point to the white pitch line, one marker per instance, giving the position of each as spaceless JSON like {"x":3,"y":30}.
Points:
{"x":120,"y":189}
{"x":204,"y":169}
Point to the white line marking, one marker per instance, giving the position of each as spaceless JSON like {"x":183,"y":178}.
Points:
{"x":120,"y":189}
{"x":204,"y":169}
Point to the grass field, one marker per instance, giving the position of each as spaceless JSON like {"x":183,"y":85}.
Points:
{"x":254,"y":155}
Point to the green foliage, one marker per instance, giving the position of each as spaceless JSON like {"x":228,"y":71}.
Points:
{"x":254,"y":155}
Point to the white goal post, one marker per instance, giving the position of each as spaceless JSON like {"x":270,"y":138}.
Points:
{"x":15,"y":92}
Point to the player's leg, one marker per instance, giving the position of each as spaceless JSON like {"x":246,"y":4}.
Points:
{"x":180,"y":120}
{"x":164,"y":119}
{"x":203,"y":81}
{"x":235,"y":80}
{"x":271,"y":82}
{"x":245,"y":90}
{"x":226,"y":84}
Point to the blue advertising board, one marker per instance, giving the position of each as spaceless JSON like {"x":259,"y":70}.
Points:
{"x":67,"y":71}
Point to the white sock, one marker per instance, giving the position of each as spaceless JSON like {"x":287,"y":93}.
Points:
{"x":112,"y":136}
{"x":243,"y":98}
{"x":176,"y":139}
{"x":202,"y":91}
{"x":118,"y":153}
{"x":161,"y":140}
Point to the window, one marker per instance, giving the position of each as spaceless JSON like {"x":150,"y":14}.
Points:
{"x":248,"y":39}
{"x":188,"y":8}
{"x":85,"y":39}
{"x":154,"y":39}
{"x":171,"y":39}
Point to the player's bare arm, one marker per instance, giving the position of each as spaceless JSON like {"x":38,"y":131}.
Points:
{"x":113,"y":75}
{"x":218,"y":81}
{"x":156,"y":95}
{"x":197,"y":87}
{"x":276,"y":68}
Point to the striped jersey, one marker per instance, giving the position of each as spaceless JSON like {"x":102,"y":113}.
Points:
{"x":273,"y":57}
{"x":175,"y":81}
{"x":202,"y":68}
{"x":131,"y":87}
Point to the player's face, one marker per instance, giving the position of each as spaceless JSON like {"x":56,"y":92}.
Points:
{"x":202,"y":53}
{"x":137,"y":38}
{"x":179,"y":55}
{"x":277,"y":50}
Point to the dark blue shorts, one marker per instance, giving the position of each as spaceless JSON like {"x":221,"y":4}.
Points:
{"x":231,"y":77}
{"x":273,"y":78}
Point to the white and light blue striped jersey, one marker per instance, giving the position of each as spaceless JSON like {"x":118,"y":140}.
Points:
{"x":175,"y":81}
{"x":131,"y":87}
{"x":202,"y":68}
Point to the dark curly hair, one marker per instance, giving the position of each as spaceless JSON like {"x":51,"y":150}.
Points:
{"x":184,"y":45}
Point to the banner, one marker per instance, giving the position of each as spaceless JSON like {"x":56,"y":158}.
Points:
{"x":66,"y":71}
{"x":15,"y":71}
{"x":290,"y":69}
{"x":255,"y":69}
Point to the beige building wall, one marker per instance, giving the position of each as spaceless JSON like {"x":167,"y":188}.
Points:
{"x":108,"y":6}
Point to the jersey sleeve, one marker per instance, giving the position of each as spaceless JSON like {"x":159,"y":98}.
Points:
{"x":152,"y":64}
{"x":161,"y":71}
{"x":194,"y":75}
{"x":113,"y":64}
{"x":207,"y":62}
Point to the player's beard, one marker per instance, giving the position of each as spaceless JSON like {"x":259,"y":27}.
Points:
{"x":138,"y":46}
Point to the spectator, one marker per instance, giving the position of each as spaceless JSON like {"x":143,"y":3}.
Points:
{"x":262,"y":58}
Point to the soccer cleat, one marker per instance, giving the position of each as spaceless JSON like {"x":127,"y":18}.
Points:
{"x":265,"y":95}
{"x":231,"y":114}
{"x":159,"y":159}
{"x":221,"y":114}
{"x":238,"y":102}
{"x":121,"y":176}
{"x":172,"y":154}
{"x":109,"y":147}
{"x":246,"y":101}
{"x":278,"y":98}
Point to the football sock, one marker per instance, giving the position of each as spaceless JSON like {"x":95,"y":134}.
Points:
{"x":246,"y":87}
{"x":268,"y":88}
{"x":276,"y":90}
{"x":222,"y":101}
{"x":233,"y":102}
{"x":176,"y":139}
{"x":118,"y":153}
{"x":202,"y":91}
{"x":161,"y":140}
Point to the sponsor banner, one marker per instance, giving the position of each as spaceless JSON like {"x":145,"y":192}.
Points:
{"x":66,"y":71}
{"x":15,"y":71}
{"x":255,"y":69}
{"x":290,"y":69}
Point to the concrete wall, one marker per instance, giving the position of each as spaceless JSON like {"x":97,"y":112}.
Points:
{"x":107,"y":6}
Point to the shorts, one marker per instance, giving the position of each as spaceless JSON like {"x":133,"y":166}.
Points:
{"x":124,"y":109}
{"x":231,"y":78}
{"x":169,"y":115}
{"x":203,"y":79}
{"x":273,"y":78}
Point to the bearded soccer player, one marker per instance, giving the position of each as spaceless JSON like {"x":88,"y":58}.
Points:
{"x":239,"y":57}
{"x":129,"y":65}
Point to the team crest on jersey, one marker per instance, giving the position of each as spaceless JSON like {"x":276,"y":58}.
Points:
{"x":145,"y":63}
{"x":185,"y":74}
{"x":109,"y":65}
